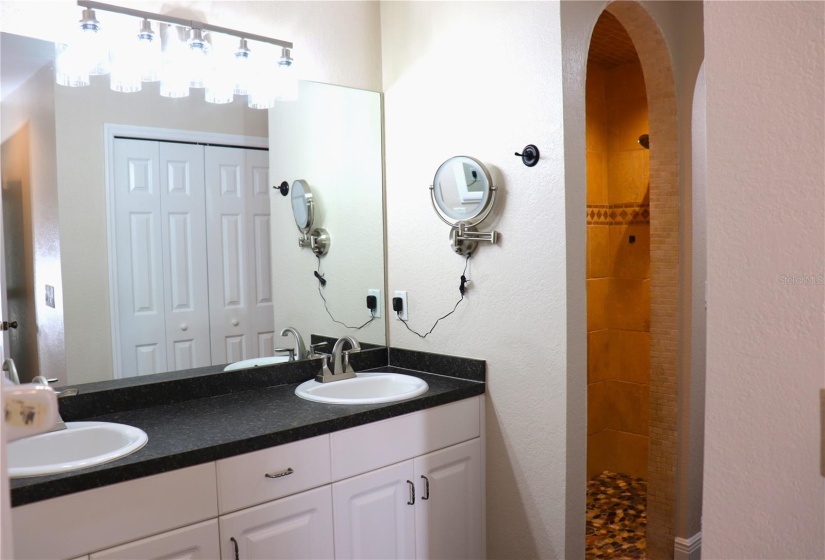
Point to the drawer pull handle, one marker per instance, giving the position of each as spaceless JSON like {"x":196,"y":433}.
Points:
{"x":237,"y":556}
{"x":426,"y":495}
{"x":279,"y":474}
{"x":412,"y":493}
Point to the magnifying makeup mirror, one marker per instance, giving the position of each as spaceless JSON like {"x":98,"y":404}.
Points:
{"x":463,"y":196}
{"x":303,"y":209}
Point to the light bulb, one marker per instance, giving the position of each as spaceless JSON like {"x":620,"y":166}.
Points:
{"x":200,"y":59}
{"x":286,"y":82}
{"x":242,"y":68}
{"x":91,"y":45}
{"x":149,"y":53}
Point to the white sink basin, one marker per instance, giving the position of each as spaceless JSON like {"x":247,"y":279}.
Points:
{"x":80,"y":445}
{"x":256,"y":362}
{"x":366,"y":388}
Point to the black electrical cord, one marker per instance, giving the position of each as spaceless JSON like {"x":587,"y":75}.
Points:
{"x":323,"y":282}
{"x":462,"y":288}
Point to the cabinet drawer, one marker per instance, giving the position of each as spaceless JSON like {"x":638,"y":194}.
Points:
{"x":108,"y":516}
{"x":372,"y":446}
{"x":242,"y":480}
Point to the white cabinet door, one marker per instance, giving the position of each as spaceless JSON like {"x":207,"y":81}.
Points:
{"x":139,"y":262}
{"x":240,"y":287}
{"x":183,"y":217}
{"x":297,"y":527}
{"x":448,"y":516}
{"x":375,"y":514}
{"x":197,"y":542}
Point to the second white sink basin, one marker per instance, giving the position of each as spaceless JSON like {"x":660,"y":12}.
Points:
{"x":80,"y":445}
{"x":256,"y":362}
{"x":366,"y":388}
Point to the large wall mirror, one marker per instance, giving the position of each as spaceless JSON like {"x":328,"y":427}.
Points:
{"x":131,"y":213}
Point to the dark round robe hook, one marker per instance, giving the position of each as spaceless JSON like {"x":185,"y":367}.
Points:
{"x":530,"y":155}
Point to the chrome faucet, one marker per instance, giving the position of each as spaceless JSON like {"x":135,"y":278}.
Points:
{"x":39,"y":379}
{"x":341,"y":368}
{"x":300,"y":351}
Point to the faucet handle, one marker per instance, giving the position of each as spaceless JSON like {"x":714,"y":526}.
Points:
{"x":317,"y":345}
{"x":290,"y":351}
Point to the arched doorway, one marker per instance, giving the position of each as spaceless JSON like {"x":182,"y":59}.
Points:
{"x":659,"y":208}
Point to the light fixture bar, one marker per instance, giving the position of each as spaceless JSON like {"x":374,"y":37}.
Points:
{"x":193,"y":24}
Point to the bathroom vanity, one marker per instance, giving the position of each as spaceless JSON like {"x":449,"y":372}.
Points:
{"x":264,"y":474}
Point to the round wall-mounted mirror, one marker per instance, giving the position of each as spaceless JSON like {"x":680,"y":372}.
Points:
{"x":462,"y":191}
{"x":302,"y":205}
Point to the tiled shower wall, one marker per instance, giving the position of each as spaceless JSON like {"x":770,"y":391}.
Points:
{"x":618,"y":271}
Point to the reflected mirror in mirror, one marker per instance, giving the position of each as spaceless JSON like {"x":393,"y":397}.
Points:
{"x":461,"y":189}
{"x":213,"y":277}
{"x":302,"y":206}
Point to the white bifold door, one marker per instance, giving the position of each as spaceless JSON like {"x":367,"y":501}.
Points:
{"x":192,"y":266}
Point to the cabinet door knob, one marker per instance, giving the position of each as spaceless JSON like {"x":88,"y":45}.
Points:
{"x":235,"y":322}
{"x":426,"y":495}
{"x":412,"y":493}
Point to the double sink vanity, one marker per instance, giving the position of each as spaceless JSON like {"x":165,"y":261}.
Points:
{"x":237,"y":465}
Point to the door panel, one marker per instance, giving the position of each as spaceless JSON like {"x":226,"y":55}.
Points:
{"x":183,"y":209}
{"x":196,"y":542}
{"x":448,"y":517}
{"x":297,"y":527}
{"x":373,"y":517}
{"x":240,"y":290}
{"x":139,"y":254}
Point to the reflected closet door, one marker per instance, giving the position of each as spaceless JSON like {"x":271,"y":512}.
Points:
{"x":240,"y":298}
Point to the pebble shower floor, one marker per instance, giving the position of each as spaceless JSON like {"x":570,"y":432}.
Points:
{"x":616,"y":516}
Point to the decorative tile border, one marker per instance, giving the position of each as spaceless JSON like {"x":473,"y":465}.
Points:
{"x":617,"y":214}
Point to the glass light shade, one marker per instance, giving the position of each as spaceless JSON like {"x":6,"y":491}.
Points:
{"x":262,"y":93}
{"x":174,"y":77}
{"x":68,"y":67}
{"x":219,"y":88}
{"x":149,"y":59}
{"x":286,"y":83}
{"x":200,"y":59}
{"x":91,"y":44}
{"x":125,"y":71}
{"x":242,"y":69}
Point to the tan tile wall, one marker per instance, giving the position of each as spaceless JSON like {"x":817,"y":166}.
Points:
{"x":618,"y":271}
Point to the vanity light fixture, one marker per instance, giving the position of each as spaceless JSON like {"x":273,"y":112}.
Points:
{"x":185,"y":58}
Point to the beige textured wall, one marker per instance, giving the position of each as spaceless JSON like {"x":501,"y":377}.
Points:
{"x":484,"y":79}
{"x":764,"y":496}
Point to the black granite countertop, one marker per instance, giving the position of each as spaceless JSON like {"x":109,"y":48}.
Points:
{"x":184,"y":433}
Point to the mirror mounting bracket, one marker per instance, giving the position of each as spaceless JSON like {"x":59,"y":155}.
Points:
{"x":464,"y":238}
{"x":317,"y":240}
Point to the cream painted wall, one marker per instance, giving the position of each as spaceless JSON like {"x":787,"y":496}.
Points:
{"x":32,"y":104}
{"x":484,"y":79}
{"x":763,"y":493}
{"x":332,"y":140}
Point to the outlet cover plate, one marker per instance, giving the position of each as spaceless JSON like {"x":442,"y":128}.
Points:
{"x":405,"y":310}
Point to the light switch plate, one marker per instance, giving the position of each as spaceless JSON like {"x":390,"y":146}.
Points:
{"x":50,"y":296}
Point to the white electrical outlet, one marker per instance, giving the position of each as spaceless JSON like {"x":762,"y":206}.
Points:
{"x":377,"y":294}
{"x":404,"y":310}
